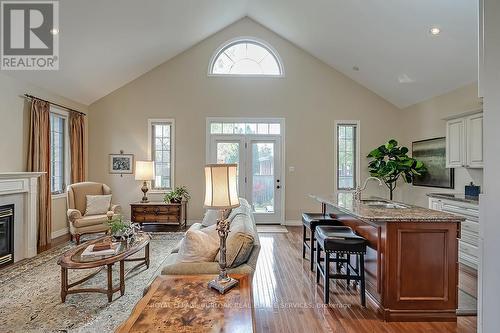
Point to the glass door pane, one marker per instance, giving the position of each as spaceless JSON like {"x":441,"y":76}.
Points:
{"x":263,"y":177}
{"x":229,"y":153}
{"x":226,"y":150}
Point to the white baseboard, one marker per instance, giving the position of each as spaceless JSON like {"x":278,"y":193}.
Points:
{"x":59,"y":233}
{"x":293,"y":223}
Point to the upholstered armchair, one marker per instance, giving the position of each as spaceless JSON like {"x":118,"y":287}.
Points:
{"x":79,"y":223}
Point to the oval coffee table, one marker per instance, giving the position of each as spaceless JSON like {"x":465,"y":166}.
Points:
{"x":73,"y":259}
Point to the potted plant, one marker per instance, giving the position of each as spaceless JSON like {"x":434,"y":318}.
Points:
{"x":118,"y":227}
{"x":177,"y":195}
{"x":390,"y":161}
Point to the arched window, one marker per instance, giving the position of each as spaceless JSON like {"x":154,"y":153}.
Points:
{"x":245,"y":56}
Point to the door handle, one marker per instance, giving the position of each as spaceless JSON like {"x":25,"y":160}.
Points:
{"x":278,"y":187}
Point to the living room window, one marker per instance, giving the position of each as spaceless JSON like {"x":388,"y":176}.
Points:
{"x":247,"y":57}
{"x":59,"y":156}
{"x":161,"y":135}
{"x":347,"y":155}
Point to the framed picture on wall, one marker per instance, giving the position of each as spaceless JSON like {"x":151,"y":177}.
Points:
{"x":121,"y":163}
{"x":433,"y":153}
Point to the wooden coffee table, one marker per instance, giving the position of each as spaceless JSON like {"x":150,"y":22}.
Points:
{"x":184,"y":303}
{"x":73,"y":259}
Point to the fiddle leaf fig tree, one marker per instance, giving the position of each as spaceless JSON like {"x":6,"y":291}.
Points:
{"x":390,"y":162}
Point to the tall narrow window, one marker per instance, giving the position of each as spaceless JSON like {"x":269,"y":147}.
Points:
{"x":347,"y":155}
{"x":57,"y":153}
{"x":161,"y":135}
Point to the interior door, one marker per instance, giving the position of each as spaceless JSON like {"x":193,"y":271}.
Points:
{"x":230,"y":149}
{"x":263,"y":179}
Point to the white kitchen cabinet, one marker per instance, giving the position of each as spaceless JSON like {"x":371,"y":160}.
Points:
{"x":455,"y":141}
{"x":474,"y":138}
{"x":464,"y":141}
{"x":468,"y":252}
{"x":435,"y":204}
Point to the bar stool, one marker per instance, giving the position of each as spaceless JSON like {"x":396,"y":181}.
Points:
{"x":340,"y":240}
{"x":309,"y":222}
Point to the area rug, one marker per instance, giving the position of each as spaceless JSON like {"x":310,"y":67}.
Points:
{"x":30,"y":292}
{"x":272,"y":228}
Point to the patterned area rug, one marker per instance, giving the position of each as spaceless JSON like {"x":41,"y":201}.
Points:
{"x":30,"y":292}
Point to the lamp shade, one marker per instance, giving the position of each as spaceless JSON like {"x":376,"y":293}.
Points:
{"x":221,"y":190}
{"x":144,"y":170}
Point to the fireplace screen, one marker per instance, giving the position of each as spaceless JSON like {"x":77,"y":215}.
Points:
{"x":6,"y":235}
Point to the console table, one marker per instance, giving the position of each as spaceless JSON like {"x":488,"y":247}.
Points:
{"x":159,"y":213}
{"x":184,"y":303}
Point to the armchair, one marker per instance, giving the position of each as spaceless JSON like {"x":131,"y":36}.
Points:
{"x":79,"y":223}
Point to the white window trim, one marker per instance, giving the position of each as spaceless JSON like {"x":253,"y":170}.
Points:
{"x":256,"y":40}
{"x":336,"y":190}
{"x":67,"y":155}
{"x":171,"y":121}
{"x":280,"y":121}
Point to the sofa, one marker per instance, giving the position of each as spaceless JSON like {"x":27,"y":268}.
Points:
{"x":79,"y":223}
{"x":242,"y":227}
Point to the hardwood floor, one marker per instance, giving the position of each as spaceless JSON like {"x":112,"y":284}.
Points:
{"x":287,"y":298}
{"x":56,"y":241}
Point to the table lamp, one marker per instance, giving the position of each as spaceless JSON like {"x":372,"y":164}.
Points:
{"x":144,"y":171}
{"x":221,"y":193}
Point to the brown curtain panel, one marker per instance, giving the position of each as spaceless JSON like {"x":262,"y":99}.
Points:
{"x":39,"y":161}
{"x":77,"y":147}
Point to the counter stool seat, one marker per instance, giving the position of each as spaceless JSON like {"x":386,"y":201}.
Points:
{"x":342,"y":242}
{"x":309,"y":222}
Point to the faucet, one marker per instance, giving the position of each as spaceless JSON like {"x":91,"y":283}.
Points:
{"x":359,"y":189}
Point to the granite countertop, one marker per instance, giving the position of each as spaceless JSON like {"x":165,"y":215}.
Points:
{"x":345,"y":202}
{"x":455,"y":197}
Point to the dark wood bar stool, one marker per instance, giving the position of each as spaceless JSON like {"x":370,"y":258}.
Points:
{"x":309,"y":222}
{"x":342,"y":242}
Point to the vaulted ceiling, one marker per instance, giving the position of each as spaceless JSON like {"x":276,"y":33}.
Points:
{"x":107,"y":43}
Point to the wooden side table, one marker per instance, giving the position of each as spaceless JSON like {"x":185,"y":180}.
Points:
{"x":159,"y":213}
{"x":184,"y":303}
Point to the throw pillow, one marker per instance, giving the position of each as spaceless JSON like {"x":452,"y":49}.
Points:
{"x":240,"y":241}
{"x":212,"y":232}
{"x":98,"y":204}
{"x":197,"y":246}
{"x":211,"y":217}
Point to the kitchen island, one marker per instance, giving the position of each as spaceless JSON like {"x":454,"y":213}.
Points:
{"x":411,"y":265}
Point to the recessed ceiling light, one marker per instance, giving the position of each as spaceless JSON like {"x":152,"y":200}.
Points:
{"x":355,"y":68}
{"x":54,"y":31}
{"x":435,"y":31}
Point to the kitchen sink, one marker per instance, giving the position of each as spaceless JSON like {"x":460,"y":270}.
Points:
{"x":383,"y":204}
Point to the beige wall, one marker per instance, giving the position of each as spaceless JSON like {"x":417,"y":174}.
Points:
{"x":14,"y":130}
{"x":425,"y":121}
{"x":311,"y":97}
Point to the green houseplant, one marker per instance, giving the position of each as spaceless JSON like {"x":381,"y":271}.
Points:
{"x":177,"y":195}
{"x":118,"y":226}
{"x":390,"y":162}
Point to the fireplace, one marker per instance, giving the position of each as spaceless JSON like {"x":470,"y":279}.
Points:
{"x":6,"y":235}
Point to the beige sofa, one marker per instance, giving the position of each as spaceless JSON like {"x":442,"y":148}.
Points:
{"x":79,"y":224}
{"x":240,"y":215}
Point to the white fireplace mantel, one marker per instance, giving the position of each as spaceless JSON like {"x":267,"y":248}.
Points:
{"x":25,"y":183}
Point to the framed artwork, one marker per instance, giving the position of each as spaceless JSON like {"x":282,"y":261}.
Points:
{"x":433,"y":153}
{"x":121,"y":163}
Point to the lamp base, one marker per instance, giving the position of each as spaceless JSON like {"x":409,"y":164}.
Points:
{"x":222,"y":285}
{"x":144,"y":190}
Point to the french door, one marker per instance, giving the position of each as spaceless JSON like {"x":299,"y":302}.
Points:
{"x":259,"y":171}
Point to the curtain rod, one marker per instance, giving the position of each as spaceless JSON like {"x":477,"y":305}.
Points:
{"x":58,"y":105}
